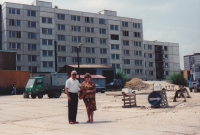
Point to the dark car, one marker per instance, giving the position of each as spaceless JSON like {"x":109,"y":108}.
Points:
{"x":114,"y":85}
{"x":100,"y":89}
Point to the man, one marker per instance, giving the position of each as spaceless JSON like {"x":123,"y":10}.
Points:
{"x":181,"y":90}
{"x":71,"y":88}
{"x":14,"y":88}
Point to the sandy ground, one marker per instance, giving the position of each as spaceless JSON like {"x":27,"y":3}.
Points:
{"x":46,"y":116}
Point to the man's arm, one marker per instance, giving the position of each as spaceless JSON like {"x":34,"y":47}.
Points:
{"x":67,"y":93}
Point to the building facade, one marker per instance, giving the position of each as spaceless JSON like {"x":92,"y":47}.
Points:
{"x":33,"y":30}
{"x":191,"y":60}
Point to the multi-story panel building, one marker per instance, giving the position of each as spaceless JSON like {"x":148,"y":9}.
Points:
{"x":191,"y":60}
{"x":32,"y":30}
{"x":161,"y":59}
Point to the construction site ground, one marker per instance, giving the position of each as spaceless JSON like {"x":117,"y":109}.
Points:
{"x":19,"y":116}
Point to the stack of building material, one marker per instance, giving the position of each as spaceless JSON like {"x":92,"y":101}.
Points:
{"x":137,"y":83}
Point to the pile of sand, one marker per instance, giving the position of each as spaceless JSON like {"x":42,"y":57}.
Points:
{"x":136,"y":83}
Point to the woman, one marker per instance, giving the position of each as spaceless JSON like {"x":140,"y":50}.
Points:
{"x":88,"y":90}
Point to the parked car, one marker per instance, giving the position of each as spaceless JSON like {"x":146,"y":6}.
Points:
{"x":100,"y":89}
{"x":114,"y":85}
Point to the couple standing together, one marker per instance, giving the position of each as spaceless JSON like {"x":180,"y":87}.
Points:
{"x":87,"y":93}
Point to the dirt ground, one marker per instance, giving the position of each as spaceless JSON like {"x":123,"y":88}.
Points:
{"x":19,"y":116}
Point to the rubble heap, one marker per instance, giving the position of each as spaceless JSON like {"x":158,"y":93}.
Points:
{"x":136,"y":83}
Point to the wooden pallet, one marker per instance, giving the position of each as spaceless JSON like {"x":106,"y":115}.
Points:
{"x":129,"y":100}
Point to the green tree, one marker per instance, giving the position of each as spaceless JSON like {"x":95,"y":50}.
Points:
{"x":178,"y":79}
{"x":122,"y":76}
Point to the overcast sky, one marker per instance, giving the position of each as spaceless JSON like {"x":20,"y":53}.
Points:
{"x":176,"y":21}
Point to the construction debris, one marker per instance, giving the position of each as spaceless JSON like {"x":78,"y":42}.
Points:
{"x":137,"y":83}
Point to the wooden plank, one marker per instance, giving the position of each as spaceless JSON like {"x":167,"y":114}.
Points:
{"x":128,"y":99}
{"x":129,"y":102}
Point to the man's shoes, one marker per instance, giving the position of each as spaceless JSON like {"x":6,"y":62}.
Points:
{"x":71,"y":122}
{"x":76,"y":122}
{"x":174,"y":100}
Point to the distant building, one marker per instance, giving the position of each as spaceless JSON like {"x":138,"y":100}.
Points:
{"x":190,"y":60}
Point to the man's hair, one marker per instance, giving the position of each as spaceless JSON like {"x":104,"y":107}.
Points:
{"x":73,"y":72}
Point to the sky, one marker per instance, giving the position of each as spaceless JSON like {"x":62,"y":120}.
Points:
{"x":176,"y":21}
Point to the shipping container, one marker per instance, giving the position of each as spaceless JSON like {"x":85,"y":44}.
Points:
{"x":7,"y":60}
{"x":8,"y":77}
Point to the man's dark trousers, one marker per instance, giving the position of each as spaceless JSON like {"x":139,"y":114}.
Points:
{"x":72,"y":107}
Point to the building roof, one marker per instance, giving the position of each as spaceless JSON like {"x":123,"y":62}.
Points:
{"x":192,"y":54}
{"x":92,"y":76}
{"x":90,"y":66}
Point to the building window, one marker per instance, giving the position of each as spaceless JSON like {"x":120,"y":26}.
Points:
{"x":32,"y":57}
{"x":15,"y":45}
{"x":126,"y":52}
{"x":150,"y":64}
{"x":31,"y":24}
{"x":166,"y":65}
{"x":46,"y":20}
{"x":102,"y":40}
{"x":32,"y":35}
{"x":90,"y":50}
{"x":103,"y":50}
{"x":76,"y":28}
{"x":75,"y":18}
{"x":102,"y":21}
{"x":166,"y":56}
{"x":89,"y":30}
{"x":18,"y":68}
{"x":32,"y":47}
{"x":61,"y":59}
{"x":138,"y":71}
{"x":90,"y":60}
{"x":150,"y":55}
{"x":13,"y":22}
{"x":137,"y":34}
{"x":61,"y":16}
{"x":125,"y":42}
{"x":15,"y":34}
{"x":137,"y":44}
{"x":150,"y":47}
{"x":114,"y":37}
{"x":31,"y":13}
{"x":102,"y":31}
{"x":18,"y":57}
{"x":115,"y":56}
{"x":47,"y":31}
{"x":138,"y":53}
{"x":114,"y":47}
{"x":117,"y":66}
{"x":127,"y":62}
{"x":150,"y":73}
{"x":165,"y":48}
{"x":75,"y":60}
{"x":32,"y":69}
{"x":166,"y":73}
{"x":61,"y":27}
{"x":61,"y":48}
{"x":74,"y":49}
{"x":47,"y":64}
{"x":47,"y":53}
{"x":124,"y":24}
{"x":114,"y":27}
{"x":47,"y":42}
{"x":125,"y":33}
{"x":76,"y":39}
{"x":136,"y":25}
{"x":104,"y":61}
{"x":89,"y":39}
{"x":61,"y":37}
{"x":127,"y":71}
{"x":14,"y":11}
{"x":89,"y":20}
{"x":138,"y":62}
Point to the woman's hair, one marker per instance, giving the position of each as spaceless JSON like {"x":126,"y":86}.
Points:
{"x":87,"y":75}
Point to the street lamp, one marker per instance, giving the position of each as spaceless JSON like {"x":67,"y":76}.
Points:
{"x":78,"y":59}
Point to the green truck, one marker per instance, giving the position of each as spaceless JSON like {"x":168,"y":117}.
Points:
{"x":36,"y":87}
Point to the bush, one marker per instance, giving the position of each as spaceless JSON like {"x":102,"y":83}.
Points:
{"x":178,"y":79}
{"x":122,"y":76}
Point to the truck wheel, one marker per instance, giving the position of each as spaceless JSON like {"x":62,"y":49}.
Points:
{"x":57,"y":94}
{"x":50,"y":95}
{"x":33,"y":96}
{"x":40,"y":95}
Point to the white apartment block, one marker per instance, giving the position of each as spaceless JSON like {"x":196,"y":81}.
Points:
{"x":191,"y":60}
{"x":31,"y":31}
